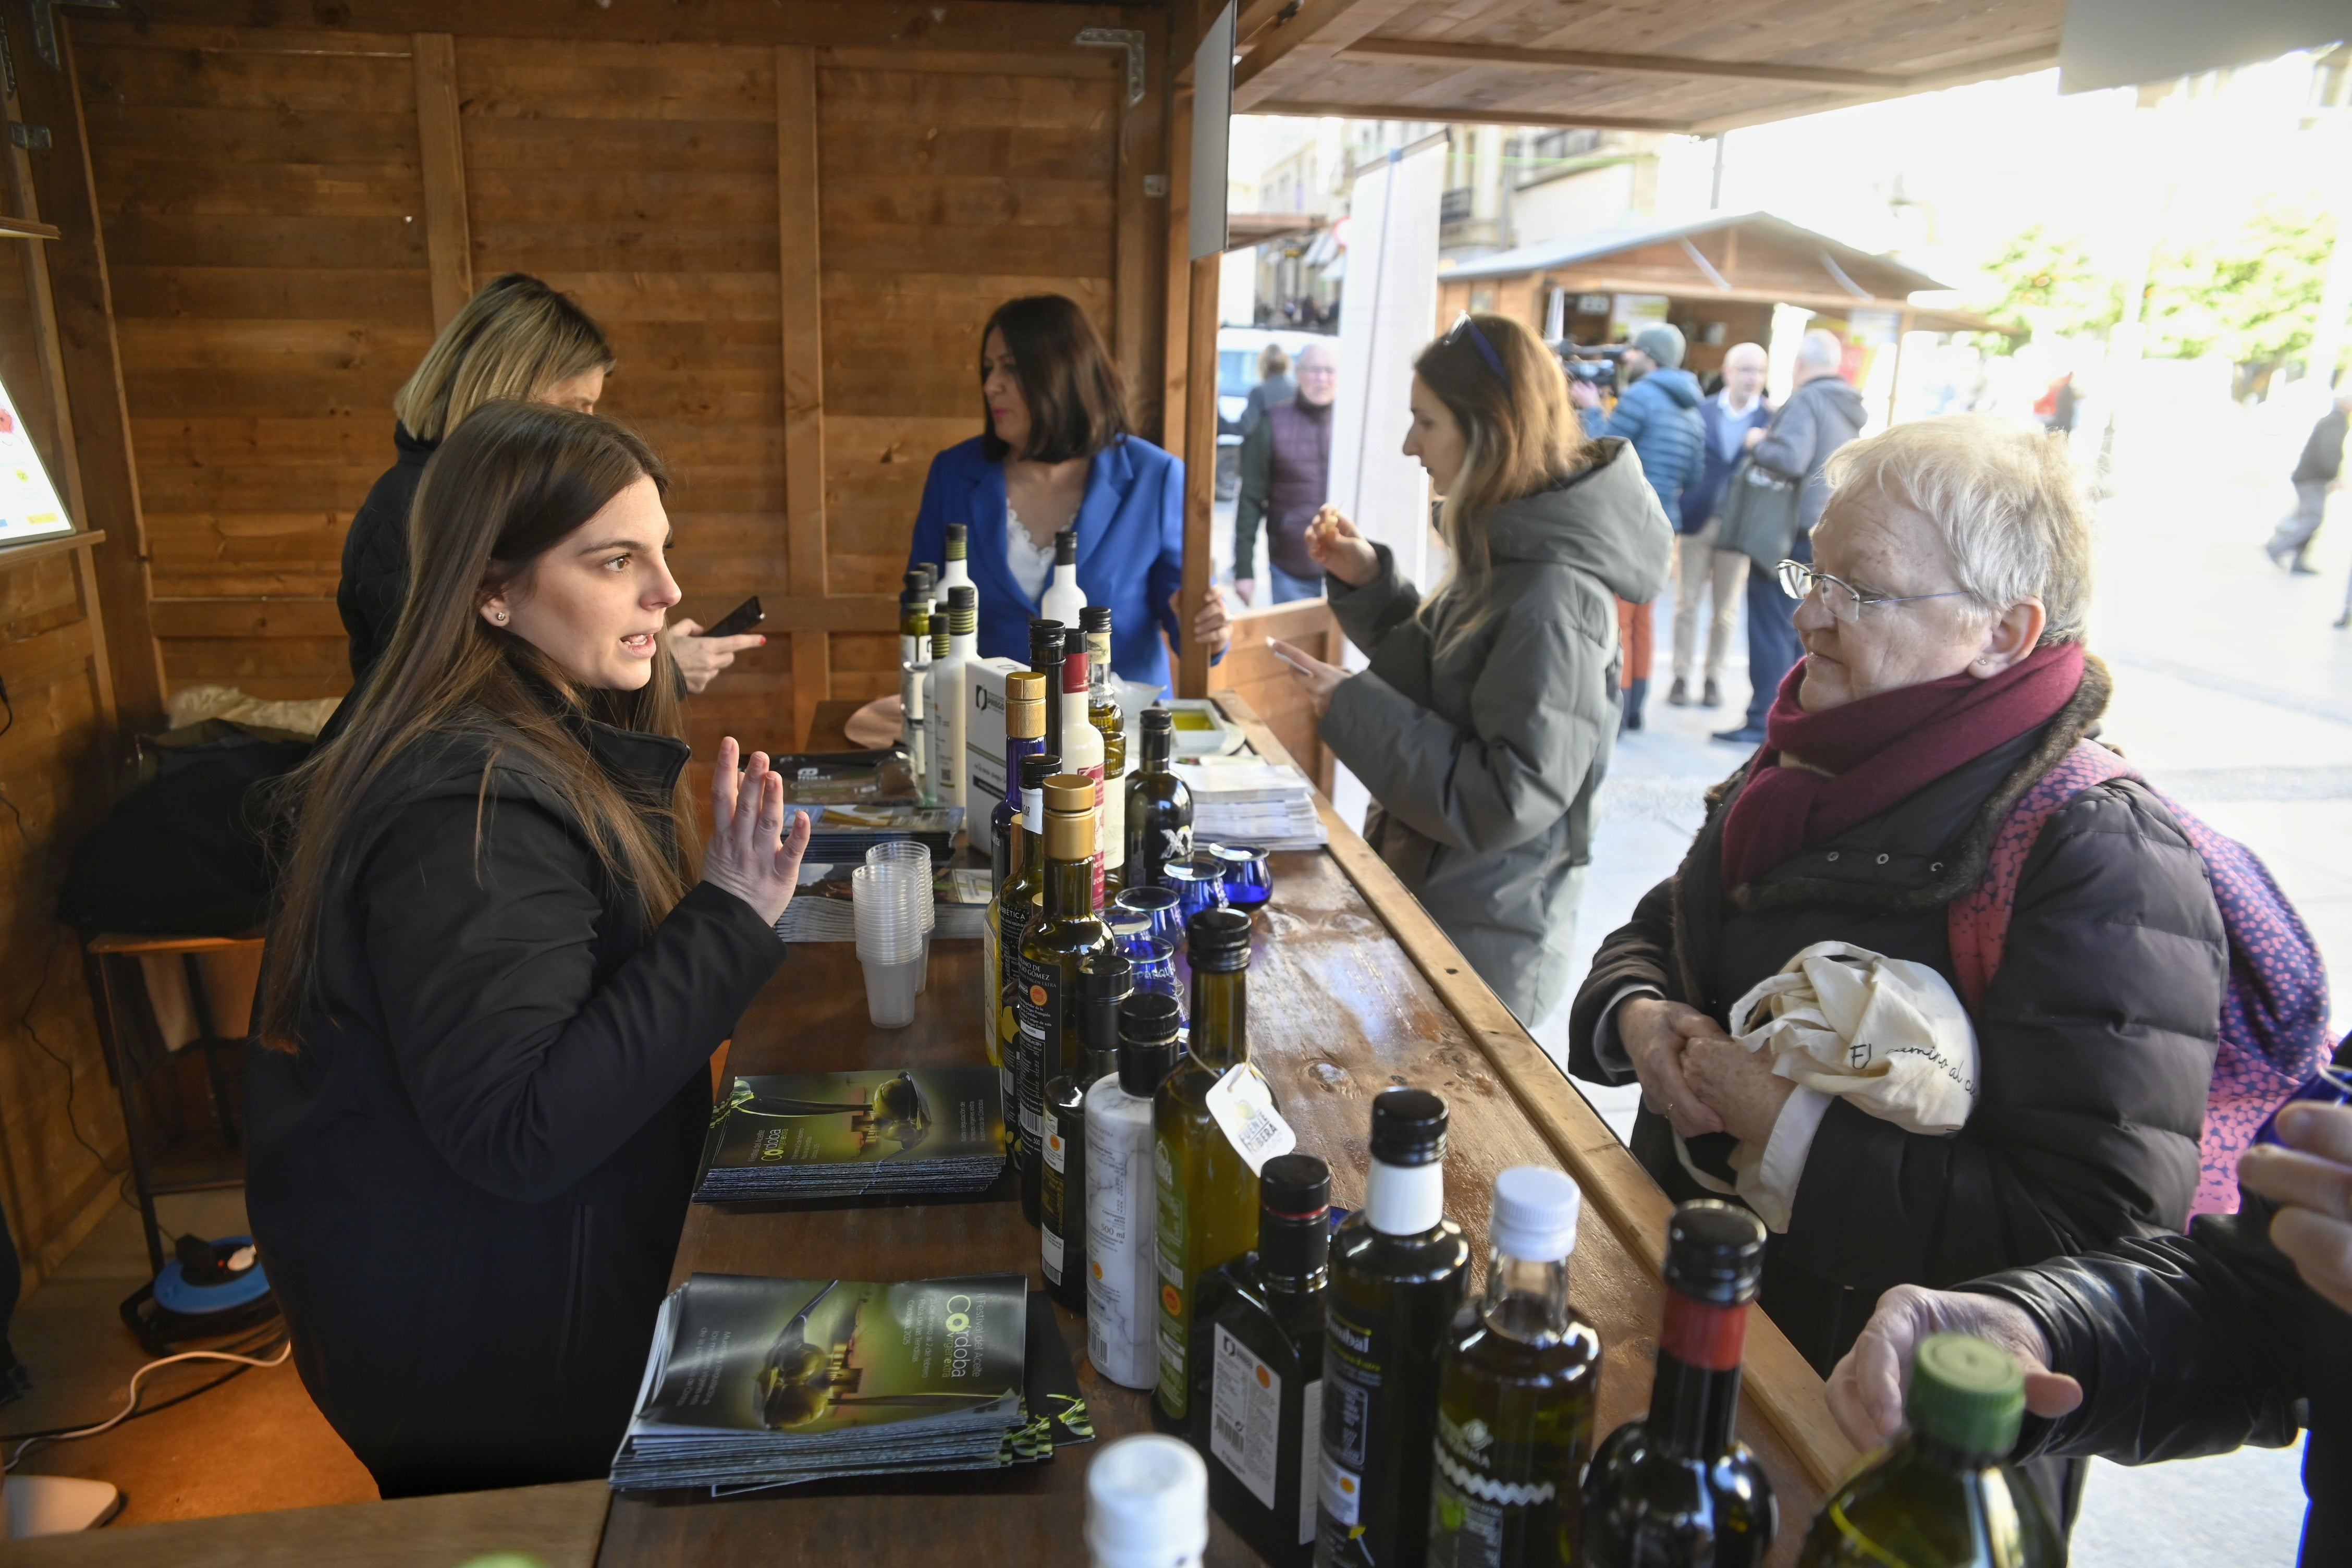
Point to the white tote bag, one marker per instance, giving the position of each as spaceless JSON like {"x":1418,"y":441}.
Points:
{"x":1888,"y":1034}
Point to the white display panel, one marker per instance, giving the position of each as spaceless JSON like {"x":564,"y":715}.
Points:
{"x":29,"y":507}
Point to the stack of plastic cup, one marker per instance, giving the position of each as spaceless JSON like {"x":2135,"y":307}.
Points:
{"x":907,"y":853}
{"x":888,"y":901}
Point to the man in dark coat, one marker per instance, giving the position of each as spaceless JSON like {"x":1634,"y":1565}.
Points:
{"x":2169,"y":1347}
{"x":1822,"y":415}
{"x":2096,"y":1035}
{"x":524,"y":1155}
{"x":2317,"y":475}
{"x":1285,"y":479}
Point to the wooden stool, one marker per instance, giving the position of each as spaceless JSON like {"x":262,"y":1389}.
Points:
{"x":158,"y":995}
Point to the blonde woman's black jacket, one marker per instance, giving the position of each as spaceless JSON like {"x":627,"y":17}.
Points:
{"x":374,"y":584}
{"x":2197,"y":1344}
{"x":2095,"y":1038}
{"x":467,"y":1184}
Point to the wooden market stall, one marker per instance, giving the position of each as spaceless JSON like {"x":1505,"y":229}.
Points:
{"x":793,"y":216}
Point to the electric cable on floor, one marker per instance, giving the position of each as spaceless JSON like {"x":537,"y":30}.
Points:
{"x":130,"y":1408}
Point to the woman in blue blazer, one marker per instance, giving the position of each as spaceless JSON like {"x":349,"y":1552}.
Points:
{"x":1057,"y":451}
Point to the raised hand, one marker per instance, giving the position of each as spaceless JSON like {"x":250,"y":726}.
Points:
{"x":700,"y":660}
{"x":749,"y":855}
{"x":1340,"y":549}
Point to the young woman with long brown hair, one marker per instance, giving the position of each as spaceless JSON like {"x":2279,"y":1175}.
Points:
{"x":1485,"y":720}
{"x":493,"y":987}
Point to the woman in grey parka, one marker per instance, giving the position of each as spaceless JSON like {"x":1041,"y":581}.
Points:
{"x":1483,"y":725}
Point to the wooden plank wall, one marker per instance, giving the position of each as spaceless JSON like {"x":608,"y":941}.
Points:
{"x":793,"y":247}
{"x":61,"y":1142}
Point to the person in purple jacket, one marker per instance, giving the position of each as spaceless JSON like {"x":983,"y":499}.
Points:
{"x":1057,"y":450}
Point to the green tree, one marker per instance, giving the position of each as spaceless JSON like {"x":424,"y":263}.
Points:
{"x":2048,"y":283}
{"x":2252,"y":295}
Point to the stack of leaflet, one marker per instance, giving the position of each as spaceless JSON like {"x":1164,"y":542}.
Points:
{"x":821,"y":909}
{"x":756,"y":1382}
{"x":929,"y":1133}
{"x":1248,"y":800}
{"x":847,"y":832}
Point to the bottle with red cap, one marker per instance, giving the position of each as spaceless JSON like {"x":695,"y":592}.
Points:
{"x":1676,"y":1486}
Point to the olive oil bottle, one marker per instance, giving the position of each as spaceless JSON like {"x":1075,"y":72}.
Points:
{"x":1024,"y":736}
{"x":1515,"y":1397}
{"x":1104,"y":712}
{"x":1398,"y":1271}
{"x":1208,"y":1194}
{"x":1159,"y":803}
{"x":1257,"y":1373}
{"x":1676,"y":1486}
{"x":1063,"y":930}
{"x":1017,"y":905}
{"x":1061,"y":1193}
{"x":1939,"y":1497}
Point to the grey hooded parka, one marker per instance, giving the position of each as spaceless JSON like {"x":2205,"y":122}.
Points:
{"x":1483,"y":760}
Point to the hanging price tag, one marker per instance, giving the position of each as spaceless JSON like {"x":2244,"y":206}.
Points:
{"x":1242,"y":1103}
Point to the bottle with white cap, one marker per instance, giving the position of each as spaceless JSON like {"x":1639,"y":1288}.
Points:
{"x":1147,"y":1504}
{"x":1516,"y":1397}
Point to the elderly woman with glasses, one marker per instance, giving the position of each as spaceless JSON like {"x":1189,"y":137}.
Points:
{"x":1944,"y":674}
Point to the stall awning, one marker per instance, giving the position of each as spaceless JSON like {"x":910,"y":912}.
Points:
{"x":1654,"y":67}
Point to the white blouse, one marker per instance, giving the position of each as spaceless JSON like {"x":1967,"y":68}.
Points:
{"x":1030,"y":564}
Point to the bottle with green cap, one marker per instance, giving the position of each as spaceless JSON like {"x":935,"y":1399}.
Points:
{"x":1940,"y":1495}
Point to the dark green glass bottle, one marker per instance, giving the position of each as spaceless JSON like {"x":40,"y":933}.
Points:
{"x":1257,"y":1367}
{"x":1939,"y":1497}
{"x":1515,"y":1395}
{"x":1208,"y":1194}
{"x":1017,"y":905}
{"x":1677,"y":1487}
{"x":1159,"y":803}
{"x":1063,"y":930}
{"x":1399,"y":1268}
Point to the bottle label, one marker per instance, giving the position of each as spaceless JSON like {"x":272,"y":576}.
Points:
{"x":1041,"y":1031}
{"x":1174,"y":1318}
{"x":1242,"y":1103}
{"x":1122,"y":1316}
{"x":1352,"y":1376}
{"x":1701,"y":1334}
{"x":1470,"y":1506}
{"x":1033,"y":812}
{"x":1245,"y":1416}
{"x":1310,"y":1452}
{"x":1051,"y":1245}
{"x":1341,"y":1494}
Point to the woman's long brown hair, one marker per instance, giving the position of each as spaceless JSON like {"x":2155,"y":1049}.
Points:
{"x":1521,"y":435}
{"x":510,"y":482}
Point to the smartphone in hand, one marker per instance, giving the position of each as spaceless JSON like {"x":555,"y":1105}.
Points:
{"x":737,"y":621}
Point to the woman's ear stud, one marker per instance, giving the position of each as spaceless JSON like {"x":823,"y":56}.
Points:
{"x":500,"y":616}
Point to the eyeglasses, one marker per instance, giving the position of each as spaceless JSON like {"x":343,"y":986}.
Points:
{"x":1842,"y":598}
{"x":1463,"y":324}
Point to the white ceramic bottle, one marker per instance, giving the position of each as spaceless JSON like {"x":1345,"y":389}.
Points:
{"x":1123,"y":1197}
{"x":944,"y":708}
{"x":1064,"y":598}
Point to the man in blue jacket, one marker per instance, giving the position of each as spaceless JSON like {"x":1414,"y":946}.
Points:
{"x":1730,"y":416}
{"x":1658,"y":414}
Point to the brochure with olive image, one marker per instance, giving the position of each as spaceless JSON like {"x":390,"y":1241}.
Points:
{"x":758,"y":1383}
{"x":919,"y":1132}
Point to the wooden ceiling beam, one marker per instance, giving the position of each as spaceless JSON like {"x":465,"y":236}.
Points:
{"x":1319,"y":30}
{"x":1454,"y":113}
{"x":1433,"y":51}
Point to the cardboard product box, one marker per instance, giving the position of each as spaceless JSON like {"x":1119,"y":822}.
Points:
{"x":983,"y":741}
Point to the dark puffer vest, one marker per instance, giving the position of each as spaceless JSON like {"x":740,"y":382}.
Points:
{"x":1299,"y":483}
{"x":2096,"y":1041}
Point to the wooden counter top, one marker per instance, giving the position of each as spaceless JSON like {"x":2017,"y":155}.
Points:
{"x":1352,"y":989}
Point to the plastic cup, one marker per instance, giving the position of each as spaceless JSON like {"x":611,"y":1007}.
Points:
{"x":909,"y":853}
{"x":890,"y":990}
{"x":886,"y":913}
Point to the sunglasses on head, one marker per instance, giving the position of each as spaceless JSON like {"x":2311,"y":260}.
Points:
{"x":1464,"y":325}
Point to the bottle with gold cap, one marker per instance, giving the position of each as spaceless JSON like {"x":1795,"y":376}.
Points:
{"x":1064,"y":931}
{"x":1016,"y":906}
{"x":1109,"y":720}
{"x":1024,"y":736}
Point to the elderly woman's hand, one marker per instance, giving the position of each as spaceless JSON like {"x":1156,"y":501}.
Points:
{"x":1655,"y":1033}
{"x":1865,"y":1388}
{"x":1738,"y":1085}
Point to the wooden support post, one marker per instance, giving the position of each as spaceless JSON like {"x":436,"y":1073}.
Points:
{"x":1137,"y":257}
{"x":801,"y":300}
{"x":1177,"y":286}
{"x":1199,"y":468}
{"x":449,"y":242}
{"x":1894,"y":380}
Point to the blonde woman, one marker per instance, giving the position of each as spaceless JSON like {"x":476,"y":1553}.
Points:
{"x":517,"y":338}
{"x":1483,"y":725}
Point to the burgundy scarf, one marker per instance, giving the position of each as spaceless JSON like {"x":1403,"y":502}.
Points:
{"x":1878,"y":751}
